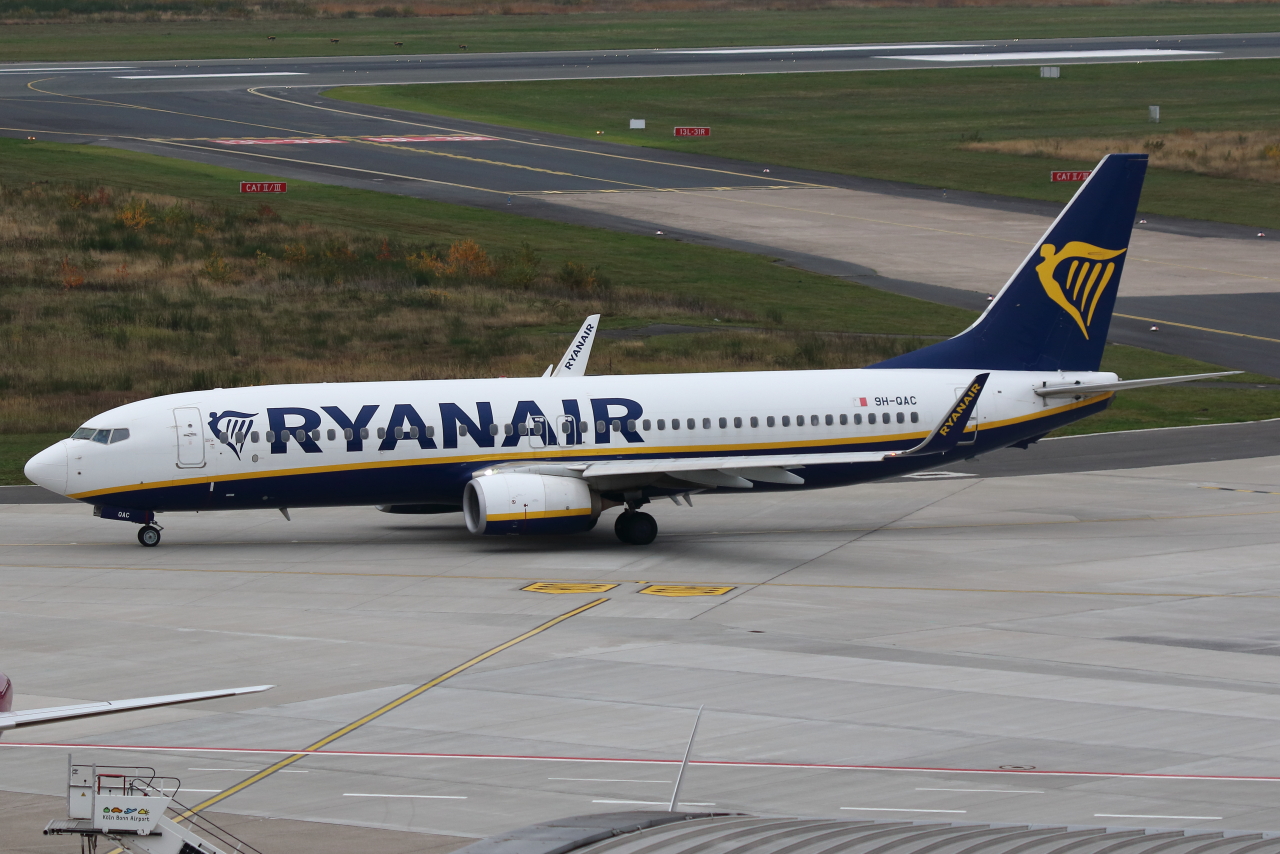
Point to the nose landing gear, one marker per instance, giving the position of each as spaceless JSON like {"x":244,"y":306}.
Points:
{"x":636,"y":528}
{"x":149,"y":535}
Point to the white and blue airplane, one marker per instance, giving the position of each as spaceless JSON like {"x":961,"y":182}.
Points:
{"x":547,"y":455}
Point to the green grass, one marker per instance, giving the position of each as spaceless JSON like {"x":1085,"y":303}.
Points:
{"x":612,"y":31}
{"x":749,"y":282}
{"x":905,"y":125}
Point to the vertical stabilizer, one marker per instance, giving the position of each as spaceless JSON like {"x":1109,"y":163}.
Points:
{"x":1053,"y":314}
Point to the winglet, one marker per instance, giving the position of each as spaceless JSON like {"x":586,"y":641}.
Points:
{"x":947,"y":434}
{"x":574,"y":363}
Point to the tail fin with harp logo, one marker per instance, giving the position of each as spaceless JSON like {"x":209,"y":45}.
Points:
{"x":1053,"y":314}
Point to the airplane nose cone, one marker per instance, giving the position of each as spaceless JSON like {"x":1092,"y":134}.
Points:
{"x":49,"y":468}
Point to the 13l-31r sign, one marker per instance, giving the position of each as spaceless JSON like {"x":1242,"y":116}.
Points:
{"x":263,"y":186}
{"x":693,"y":131}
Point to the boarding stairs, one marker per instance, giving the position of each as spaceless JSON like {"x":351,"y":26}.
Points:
{"x":134,"y":809}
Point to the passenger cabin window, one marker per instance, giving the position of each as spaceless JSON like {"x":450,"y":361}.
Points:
{"x":253,"y":437}
{"x":647,"y":425}
{"x":830,"y":420}
{"x":737,"y":422}
{"x":755,"y":422}
{"x":462,"y":429}
{"x":786,"y":421}
{"x":901,"y":418}
{"x":769,"y":421}
{"x":706,"y":424}
{"x":600,"y":425}
{"x":871,"y":418}
{"x":675,"y":423}
{"x":332,"y":435}
{"x":662,"y":424}
{"x":844,"y":419}
{"x":724,"y":422}
{"x":382,"y":433}
{"x":915,"y":418}
{"x":271,"y":436}
{"x":364,"y":433}
{"x":688,"y":422}
{"x":348,"y":434}
{"x":522,"y":429}
{"x":631,"y":425}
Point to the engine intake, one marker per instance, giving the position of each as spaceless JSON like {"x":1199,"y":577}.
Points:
{"x":518,"y":503}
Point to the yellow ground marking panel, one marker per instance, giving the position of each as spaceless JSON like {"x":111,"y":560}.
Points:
{"x":685,"y":590}
{"x":568,"y":587}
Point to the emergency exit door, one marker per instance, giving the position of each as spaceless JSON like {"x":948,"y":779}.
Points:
{"x":190,"y":437}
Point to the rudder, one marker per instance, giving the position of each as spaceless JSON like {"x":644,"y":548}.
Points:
{"x":1054,"y":312}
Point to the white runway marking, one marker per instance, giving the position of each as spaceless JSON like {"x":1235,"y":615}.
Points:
{"x":1134,"y":53}
{"x":602,"y":780}
{"x":896,"y":809}
{"x":1000,"y":791}
{"x":1194,"y":817}
{"x":822,"y":49}
{"x":432,"y":797}
{"x":652,"y":803}
{"x":245,"y":771}
{"x":4,"y":70}
{"x":185,"y":789}
{"x":230,"y":74}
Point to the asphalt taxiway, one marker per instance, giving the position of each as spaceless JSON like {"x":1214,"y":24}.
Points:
{"x":1079,"y":648}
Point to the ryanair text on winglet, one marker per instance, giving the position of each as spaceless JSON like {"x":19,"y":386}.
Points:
{"x":970,"y":395}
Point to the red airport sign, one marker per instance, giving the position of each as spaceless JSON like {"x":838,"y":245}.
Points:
{"x":1069,"y":176}
{"x":693,"y":131}
{"x":263,"y":186}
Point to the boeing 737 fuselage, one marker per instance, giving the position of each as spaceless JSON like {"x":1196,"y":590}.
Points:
{"x":549,"y":454}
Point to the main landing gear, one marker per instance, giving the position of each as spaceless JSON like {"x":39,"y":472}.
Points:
{"x":636,"y":528}
{"x":149,"y":535}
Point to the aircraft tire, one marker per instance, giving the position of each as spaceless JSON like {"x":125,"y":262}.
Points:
{"x":636,"y":529}
{"x":149,"y":536}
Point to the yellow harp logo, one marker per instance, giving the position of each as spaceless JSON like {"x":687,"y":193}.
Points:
{"x":1082,"y":281}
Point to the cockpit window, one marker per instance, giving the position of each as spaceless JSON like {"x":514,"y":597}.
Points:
{"x":102,"y":437}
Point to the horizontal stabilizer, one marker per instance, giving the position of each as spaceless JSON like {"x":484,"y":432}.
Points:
{"x":1078,"y":388}
{"x":947,"y":434}
{"x":12,"y":720}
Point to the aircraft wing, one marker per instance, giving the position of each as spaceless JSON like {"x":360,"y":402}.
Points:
{"x":1078,"y":388}
{"x":12,"y":720}
{"x":726,"y":471}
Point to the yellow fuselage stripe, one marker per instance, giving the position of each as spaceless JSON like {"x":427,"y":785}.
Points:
{"x":578,"y":452}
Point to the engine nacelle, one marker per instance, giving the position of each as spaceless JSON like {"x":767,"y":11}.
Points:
{"x":518,"y":503}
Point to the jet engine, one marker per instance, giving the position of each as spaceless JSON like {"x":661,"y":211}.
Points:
{"x":520,"y":503}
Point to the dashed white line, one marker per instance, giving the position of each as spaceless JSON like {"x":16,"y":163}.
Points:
{"x":603,"y":780}
{"x":1191,"y":817}
{"x":431,"y":797}
{"x":1000,"y":791}
{"x":896,"y":809}
{"x":1136,"y":53}
{"x":652,"y":803}
{"x":232,"y":74}
{"x":822,"y":49}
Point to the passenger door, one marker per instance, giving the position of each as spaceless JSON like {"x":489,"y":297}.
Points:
{"x":190,"y":437}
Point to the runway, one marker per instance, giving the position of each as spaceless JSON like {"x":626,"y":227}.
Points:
{"x":1117,"y":622}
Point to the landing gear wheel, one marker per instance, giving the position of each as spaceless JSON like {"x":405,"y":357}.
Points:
{"x":636,"y":529}
{"x":149,"y":535}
